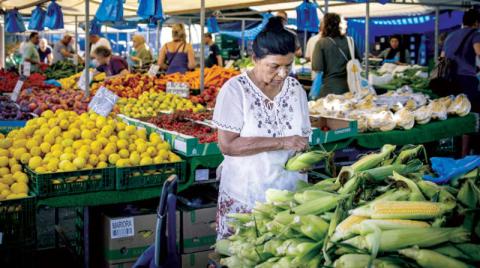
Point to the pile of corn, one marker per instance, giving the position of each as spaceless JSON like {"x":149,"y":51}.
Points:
{"x":377,"y":212}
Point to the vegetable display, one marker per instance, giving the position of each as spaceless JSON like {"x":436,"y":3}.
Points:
{"x":177,"y":122}
{"x":378,"y":212}
{"x":61,"y":69}
{"x":395,"y":109}
{"x":7,"y":81}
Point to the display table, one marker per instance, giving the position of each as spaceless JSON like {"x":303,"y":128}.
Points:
{"x":420,"y":134}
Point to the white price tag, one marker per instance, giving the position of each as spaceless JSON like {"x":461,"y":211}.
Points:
{"x":180,"y":146}
{"x":202,"y":174}
{"x":17,"y":90}
{"x":181,"y":89}
{"x":27,"y":67}
{"x":120,"y":228}
{"x":103,"y":102}
{"x":81,"y":82}
{"x":153,"y":70}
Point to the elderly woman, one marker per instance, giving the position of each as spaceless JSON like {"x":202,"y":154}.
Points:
{"x":262,"y":120}
{"x":141,"y":56}
{"x":45,"y":52}
{"x":177,"y":55}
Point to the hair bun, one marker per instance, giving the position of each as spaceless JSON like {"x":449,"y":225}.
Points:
{"x":274,"y":24}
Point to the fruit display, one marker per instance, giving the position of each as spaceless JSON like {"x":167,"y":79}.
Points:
{"x":38,"y":100}
{"x":61,"y":69}
{"x":396,"y":109}
{"x":178,"y":123}
{"x":150,"y":104}
{"x":71,"y":81}
{"x":215,"y":76}
{"x":204,"y":116}
{"x":9,"y":110}
{"x":208,"y":97}
{"x":378,"y":212}
{"x":130,"y":85}
{"x":8,"y":80}
{"x":65,"y":141}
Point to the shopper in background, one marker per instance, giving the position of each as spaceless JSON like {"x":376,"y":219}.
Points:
{"x":310,"y":47}
{"x":141,"y":56}
{"x":45,"y":52}
{"x":395,"y":53}
{"x":30,"y":52}
{"x":177,"y":55}
{"x":284,"y":16}
{"x":97,"y":41}
{"x":213,"y":57}
{"x":109,"y":64}
{"x":63,"y":50}
{"x":331,"y":55}
{"x":463,"y":47}
{"x":262,"y":120}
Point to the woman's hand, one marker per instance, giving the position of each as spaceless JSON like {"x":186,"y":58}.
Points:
{"x":295,"y":143}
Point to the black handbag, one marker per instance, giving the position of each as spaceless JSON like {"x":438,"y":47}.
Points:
{"x":442,"y":77}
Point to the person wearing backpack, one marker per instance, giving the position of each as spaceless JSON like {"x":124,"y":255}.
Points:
{"x":462,"y":47}
{"x":330,"y":57}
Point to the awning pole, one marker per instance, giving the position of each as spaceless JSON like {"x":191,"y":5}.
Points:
{"x":367,"y":37}
{"x":436,"y":50}
{"x":76,"y":42}
{"x":202,"y":45}
{"x":326,"y":7}
{"x":190,"y":31}
{"x":87,"y":66}
{"x":243,"y":39}
{"x":157,"y":36}
{"x":2,"y":48}
{"x":305,"y":33}
{"x":148,"y":35}
{"x":118,"y":45}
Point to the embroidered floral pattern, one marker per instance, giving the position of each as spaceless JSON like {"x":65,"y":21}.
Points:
{"x":272,"y":116}
{"x":227,"y":205}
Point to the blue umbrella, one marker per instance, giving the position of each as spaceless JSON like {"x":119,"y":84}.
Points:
{"x":110,"y":10}
{"x":14,"y":22}
{"x":150,"y":9}
{"x":307,"y":18}
{"x":54,"y":18}
{"x":212,"y":25}
{"x":37,"y":19}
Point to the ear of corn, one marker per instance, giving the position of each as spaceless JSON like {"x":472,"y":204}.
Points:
{"x":383,"y":172}
{"x":272,"y":245}
{"x":278,"y":196}
{"x":373,"y":160}
{"x":391,"y":195}
{"x":409,"y":154}
{"x":467,"y":251}
{"x":362,"y":261}
{"x":392,"y":240}
{"x":431,"y":259}
{"x":306,"y":160}
{"x":318,"y":206}
{"x":432,"y":190}
{"x":222,"y":247}
{"x":368,"y":226}
{"x":409,"y":210}
{"x":416,"y":194}
{"x":469,"y":194}
{"x":310,"y":195}
{"x":344,"y":229}
{"x":312,"y":226}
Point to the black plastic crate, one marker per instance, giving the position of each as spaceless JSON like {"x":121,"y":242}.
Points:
{"x":17,"y":222}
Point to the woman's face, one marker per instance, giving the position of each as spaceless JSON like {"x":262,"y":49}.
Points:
{"x":394,"y":43}
{"x":42,"y":44}
{"x":273,"y":69}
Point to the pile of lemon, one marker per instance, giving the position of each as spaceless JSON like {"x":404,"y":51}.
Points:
{"x":151,"y":103}
{"x":65,"y":141}
{"x":13,"y":182}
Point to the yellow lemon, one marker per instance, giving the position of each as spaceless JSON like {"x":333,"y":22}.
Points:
{"x":3,"y":161}
{"x":93,"y":160}
{"x":15,"y":168}
{"x":56,"y":147}
{"x":122,"y":163}
{"x":146,"y":161}
{"x":25,"y":158}
{"x":102,"y":158}
{"x":3,"y":186}
{"x":63,"y":163}
{"x":53,"y":165}
{"x":4,"y":171}
{"x":113,"y":158}
{"x":63,"y":124}
{"x":83,"y":154}
{"x":132,"y":147}
{"x":36,"y":151}
{"x":173,"y":157}
{"x":31,"y":143}
{"x":120,"y":126}
{"x":158,"y":160}
{"x":57,"y":154}
{"x":163,"y":154}
{"x":134,"y":158}
{"x":45,"y":147}
{"x":77,"y":144}
{"x":5,"y":143}
{"x":122,"y":144}
{"x":123,"y":153}
{"x":17,"y":154}
{"x":152,"y":151}
{"x":141,"y":147}
{"x":19,"y":187}
{"x":113,"y":139}
{"x":155,"y":138}
{"x":69,"y":166}
{"x":19,"y":143}
{"x":67,"y":142}
{"x":66,"y":156}
{"x":68,"y":150}
{"x":35,"y":162}
{"x":163,"y":146}
{"x":4,"y":152}
{"x":130,"y":129}
{"x":96,"y":147}
{"x":102,"y":165}
{"x":80,"y":162}
{"x":76,"y":133}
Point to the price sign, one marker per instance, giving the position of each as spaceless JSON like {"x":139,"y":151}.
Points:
{"x":153,"y":70}
{"x":181,"y":89}
{"x":16,"y":90}
{"x":81,"y":82}
{"x":27,"y":67}
{"x":103,"y":102}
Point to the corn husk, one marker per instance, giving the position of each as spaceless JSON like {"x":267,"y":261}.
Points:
{"x":431,"y":259}
{"x":460,"y":106}
{"x":404,"y":119}
{"x":383,"y":121}
{"x":439,"y":110}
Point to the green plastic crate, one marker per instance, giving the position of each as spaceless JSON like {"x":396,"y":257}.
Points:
{"x":74,"y":182}
{"x":17,"y":222}
{"x":148,"y":175}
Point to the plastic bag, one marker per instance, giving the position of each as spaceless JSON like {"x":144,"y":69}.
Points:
{"x":37,"y":19}
{"x":14,"y":22}
{"x":212,"y":25}
{"x":110,"y":10}
{"x":449,"y":169}
{"x":149,"y":9}
{"x":54,"y":17}
{"x":316,"y":87}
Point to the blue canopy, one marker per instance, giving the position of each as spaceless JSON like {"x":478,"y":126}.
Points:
{"x":150,"y":9}
{"x":110,"y":10}
{"x":95,"y":27}
{"x":14,"y":22}
{"x":37,"y":19}
{"x":307,"y":18}
{"x":54,"y":18}
{"x":212,"y":25}
{"x":250,"y":34}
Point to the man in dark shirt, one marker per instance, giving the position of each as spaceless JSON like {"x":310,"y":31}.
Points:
{"x":110,"y":64}
{"x":213,"y":57}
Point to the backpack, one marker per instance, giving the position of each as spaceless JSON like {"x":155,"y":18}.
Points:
{"x":442,"y":78}
{"x":354,"y":68}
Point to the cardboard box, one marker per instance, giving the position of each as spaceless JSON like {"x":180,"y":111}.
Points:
{"x":198,"y":229}
{"x":196,"y":260}
{"x":127,"y":237}
{"x":339,"y":129}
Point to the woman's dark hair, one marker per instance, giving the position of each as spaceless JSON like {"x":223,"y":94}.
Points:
{"x":274,"y":40}
{"x":331,"y":25}
{"x":470,"y":17}
{"x":103,"y":51}
{"x":400,"y":49}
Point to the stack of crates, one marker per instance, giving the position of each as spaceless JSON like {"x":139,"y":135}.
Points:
{"x":229,"y":46}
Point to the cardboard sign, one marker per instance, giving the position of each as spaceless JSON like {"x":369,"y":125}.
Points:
{"x":103,"y":102}
{"x":153,"y":70}
{"x":81,"y":82}
{"x":181,"y":89}
{"x":17,"y":90}
{"x":27,"y":67}
{"x":120,"y":228}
